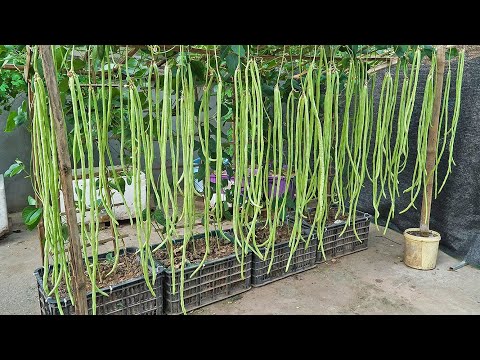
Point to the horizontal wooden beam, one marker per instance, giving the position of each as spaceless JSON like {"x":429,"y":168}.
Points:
{"x":176,"y":48}
{"x":13,"y":67}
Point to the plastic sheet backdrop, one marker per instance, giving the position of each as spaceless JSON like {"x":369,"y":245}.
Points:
{"x":455,"y":213}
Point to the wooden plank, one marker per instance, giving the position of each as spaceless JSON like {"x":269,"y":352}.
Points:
{"x":111,"y":238}
{"x":432,"y":142}
{"x":176,"y":48}
{"x":65,"y":167}
{"x":382,"y":66}
{"x":13,"y":67}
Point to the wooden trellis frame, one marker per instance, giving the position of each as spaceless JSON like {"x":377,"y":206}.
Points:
{"x":64,"y":157}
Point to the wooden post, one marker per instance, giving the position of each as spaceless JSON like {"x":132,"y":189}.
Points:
{"x":432,"y":142}
{"x":78,"y":276}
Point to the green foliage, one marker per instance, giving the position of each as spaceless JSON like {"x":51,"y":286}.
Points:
{"x":31,"y":201}
{"x":277,"y":67}
{"x":110,"y":258}
{"x":11,"y":81}
{"x":120,"y":187}
{"x":15,"y":168}
{"x":31,"y":216}
{"x":16,"y":118}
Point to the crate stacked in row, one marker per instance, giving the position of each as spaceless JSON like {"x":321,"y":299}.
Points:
{"x":340,"y":240}
{"x":129,"y":297}
{"x":220,"y":276}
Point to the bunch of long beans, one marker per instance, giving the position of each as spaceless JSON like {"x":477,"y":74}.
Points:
{"x":405,"y":110}
{"x":186,"y":103}
{"x":342,"y":143}
{"x":325,"y":191}
{"x":309,"y":174}
{"x":249,"y":158}
{"x":387,"y":161}
{"x":273,"y":206}
{"x":204,"y":142}
{"x":419,"y":179}
{"x":361,"y":136}
{"x":48,"y":185}
{"x":352,"y":145}
{"x":444,"y":123}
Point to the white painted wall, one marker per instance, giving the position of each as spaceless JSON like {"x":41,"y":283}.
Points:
{"x":3,"y":209}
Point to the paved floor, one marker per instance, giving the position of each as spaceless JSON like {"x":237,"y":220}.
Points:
{"x":374,"y":281}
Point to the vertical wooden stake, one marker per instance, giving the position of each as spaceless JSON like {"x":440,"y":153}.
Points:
{"x":432,"y":142}
{"x":78,"y":276}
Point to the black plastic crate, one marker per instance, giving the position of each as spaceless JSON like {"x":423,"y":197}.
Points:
{"x":303,"y":259}
{"x":131,"y":297}
{"x":336,"y":246}
{"x":217,"y":280}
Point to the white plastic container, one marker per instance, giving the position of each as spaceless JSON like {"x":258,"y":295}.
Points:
{"x":120,"y":208}
{"x":3,"y":209}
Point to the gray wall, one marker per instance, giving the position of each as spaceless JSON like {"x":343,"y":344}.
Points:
{"x":15,"y":144}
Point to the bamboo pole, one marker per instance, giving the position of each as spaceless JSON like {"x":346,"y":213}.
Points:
{"x":432,"y":142}
{"x":78,"y":276}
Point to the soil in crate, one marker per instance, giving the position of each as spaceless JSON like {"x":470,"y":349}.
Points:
{"x":283,"y":233}
{"x":219,"y":278}
{"x":126,"y":288}
{"x":219,"y":248}
{"x":127,"y":268}
{"x":303,"y":258}
{"x":331,"y":216}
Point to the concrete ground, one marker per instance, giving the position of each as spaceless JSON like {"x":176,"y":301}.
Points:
{"x":374,"y":281}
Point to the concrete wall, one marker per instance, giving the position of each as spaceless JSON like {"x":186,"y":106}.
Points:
{"x":15,"y":144}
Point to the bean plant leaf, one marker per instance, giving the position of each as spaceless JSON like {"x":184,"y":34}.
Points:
{"x":59,"y":53}
{"x":198,"y":69}
{"x":63,"y":85}
{"x":14,"y":169}
{"x":238,"y":49}
{"x":65,"y":232}
{"x":16,"y":118}
{"x":290,"y":203}
{"x":401,"y":50}
{"x":159,"y":217}
{"x":78,"y":64}
{"x":451,"y":53}
{"x":110,"y":258}
{"x":197,"y":105}
{"x":121,"y":185}
{"x":31,"y":201}
{"x":228,"y":216}
{"x":267,"y":90}
{"x":200,"y":174}
{"x":10,"y":125}
{"x":100,"y":52}
{"x":31,"y":216}
{"x":223,"y":53}
{"x":232,"y":63}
